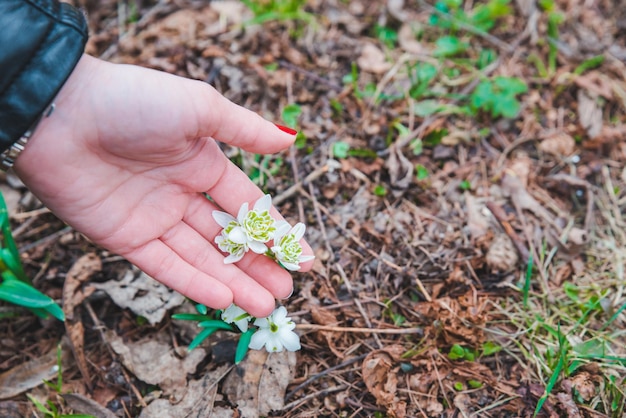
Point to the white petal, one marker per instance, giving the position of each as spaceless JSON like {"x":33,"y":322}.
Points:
{"x":279,"y":316}
{"x":298,"y":231}
{"x":290,"y":266}
{"x":238,"y":235}
{"x":233,"y":258}
{"x":305,"y":258}
{"x":223,"y":218}
{"x":242,"y":324}
{"x":290,"y":340}
{"x":282,"y":227}
{"x":243,"y":211}
{"x":264,"y":203}
{"x":258,"y":339}
{"x":257,"y":247}
{"x":262,"y":323}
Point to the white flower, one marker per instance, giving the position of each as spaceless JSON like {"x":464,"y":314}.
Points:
{"x":234,"y":314}
{"x":234,"y":249}
{"x":287,"y":248}
{"x":275,"y":332}
{"x":251,"y":229}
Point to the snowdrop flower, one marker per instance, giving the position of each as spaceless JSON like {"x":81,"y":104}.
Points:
{"x":287,"y":248}
{"x":234,"y":314}
{"x":252,"y":228}
{"x":234,"y":249}
{"x":275,"y":333}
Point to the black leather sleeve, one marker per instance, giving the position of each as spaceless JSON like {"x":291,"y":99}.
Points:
{"x":41,"y":42}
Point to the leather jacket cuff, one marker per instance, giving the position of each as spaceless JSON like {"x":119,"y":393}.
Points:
{"x":42,"y":41}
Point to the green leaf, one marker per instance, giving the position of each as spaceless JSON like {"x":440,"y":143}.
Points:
{"x":447,"y":46}
{"x":507,"y":106}
{"x":456,"y":352}
{"x":490,"y":348}
{"x":202,"y":335}
{"x":421,"y":172}
{"x":201,"y":309}
{"x":290,"y":114}
{"x":242,"y":345}
{"x":340,"y":149}
{"x":215,"y":323}
{"x":380,"y":190}
{"x":427,"y":107}
{"x":23,"y":294}
{"x":458,"y":386}
{"x":510,"y":85}
{"x":191,"y":317}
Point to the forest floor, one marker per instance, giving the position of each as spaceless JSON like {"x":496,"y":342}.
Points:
{"x":460,"y":170}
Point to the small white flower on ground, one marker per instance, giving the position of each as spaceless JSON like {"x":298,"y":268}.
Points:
{"x":234,"y":314}
{"x":275,"y":333}
{"x":287,"y":248}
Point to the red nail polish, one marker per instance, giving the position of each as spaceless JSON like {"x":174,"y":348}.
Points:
{"x":286,"y":129}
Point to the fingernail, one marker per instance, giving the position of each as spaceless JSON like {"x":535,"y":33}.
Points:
{"x":286,"y":129}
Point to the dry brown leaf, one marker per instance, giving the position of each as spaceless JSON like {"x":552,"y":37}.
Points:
{"x":155,"y":362}
{"x":373,"y":60}
{"x":559,"y":144}
{"x":258,"y":384}
{"x":199,"y":401}
{"x":142,"y":294}
{"x":408,"y":41}
{"x":381,"y":378}
{"x":569,"y":406}
{"x":584,"y":384}
{"x":83,"y":405}
{"x":589,"y":113}
{"x":29,"y":375}
{"x":477,"y":223}
{"x":400,"y":169}
{"x":502,"y":256}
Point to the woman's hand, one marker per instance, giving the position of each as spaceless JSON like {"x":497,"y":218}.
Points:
{"x":125,"y":159}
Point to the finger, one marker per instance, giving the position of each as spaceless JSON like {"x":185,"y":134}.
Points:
{"x":161,"y":263}
{"x":223,"y":192}
{"x":265,"y":271}
{"x":230,"y":123}
{"x":197,"y":251}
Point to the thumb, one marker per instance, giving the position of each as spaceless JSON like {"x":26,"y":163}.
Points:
{"x":230,"y":123}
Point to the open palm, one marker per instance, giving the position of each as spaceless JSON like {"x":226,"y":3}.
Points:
{"x":125,"y":159}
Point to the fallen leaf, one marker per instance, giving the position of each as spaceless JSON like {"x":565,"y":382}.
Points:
{"x":502,"y":256}
{"x":569,"y":406}
{"x":198,"y":401}
{"x":155,"y":362}
{"x":373,"y":60}
{"x":380,"y":375}
{"x":258,"y":384}
{"x":408,"y":41}
{"x":142,"y":294}
{"x":589,"y":113}
{"x":477,"y":223}
{"x":29,"y":375}
{"x":584,"y":385}
{"x":400,"y":169}
{"x":559,"y":144}
{"x":84,"y":405}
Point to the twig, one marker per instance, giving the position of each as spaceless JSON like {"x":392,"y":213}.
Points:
{"x":390,"y":331}
{"x":323,"y":373}
{"x":45,"y":240}
{"x":314,"y":395}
